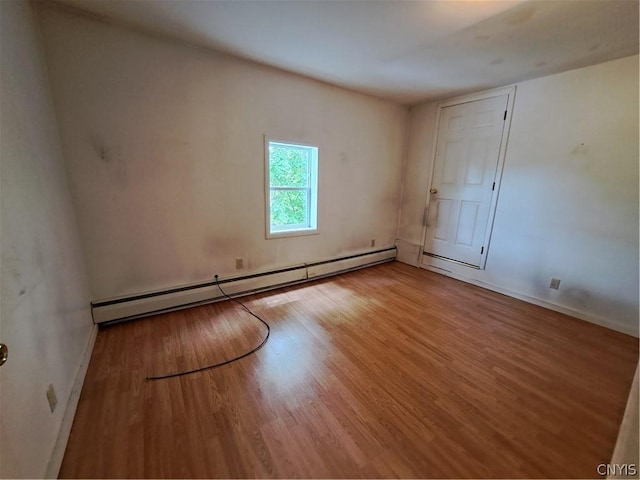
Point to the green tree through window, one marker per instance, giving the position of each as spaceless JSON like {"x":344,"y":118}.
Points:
{"x":292,"y":171}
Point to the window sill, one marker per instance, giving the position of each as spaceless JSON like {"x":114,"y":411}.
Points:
{"x":292,"y":233}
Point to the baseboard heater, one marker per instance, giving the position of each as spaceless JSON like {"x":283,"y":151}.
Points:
{"x":153,"y":303}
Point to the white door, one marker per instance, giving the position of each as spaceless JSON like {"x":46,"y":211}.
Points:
{"x":467,"y":152}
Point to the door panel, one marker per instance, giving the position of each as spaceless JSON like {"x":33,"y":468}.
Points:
{"x":467,"y":152}
{"x":476,"y":161}
{"x":452,"y":154}
{"x":467,"y":223}
{"x":442,"y":219}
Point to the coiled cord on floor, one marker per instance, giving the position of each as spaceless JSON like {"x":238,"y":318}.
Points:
{"x":226,"y":362}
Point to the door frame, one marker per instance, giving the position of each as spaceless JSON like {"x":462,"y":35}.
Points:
{"x":510,"y":91}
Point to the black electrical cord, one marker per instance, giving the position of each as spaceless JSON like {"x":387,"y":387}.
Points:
{"x":226,"y":362}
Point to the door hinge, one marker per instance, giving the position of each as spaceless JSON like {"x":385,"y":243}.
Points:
{"x":505,"y":115}
{"x":493,"y":187}
{"x":481,"y":250}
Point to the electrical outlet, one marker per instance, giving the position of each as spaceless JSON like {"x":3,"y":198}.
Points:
{"x":555,"y":283}
{"x":373,"y":242}
{"x":239,"y":263}
{"x":51,"y":398}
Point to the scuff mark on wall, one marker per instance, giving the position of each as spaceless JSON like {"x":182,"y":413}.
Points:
{"x":520,"y":14}
{"x":214,"y":245}
{"x":110,"y":157}
{"x":101,"y":149}
{"x":579,"y":149}
{"x":577,"y":297}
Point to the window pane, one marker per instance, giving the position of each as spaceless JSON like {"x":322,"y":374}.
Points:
{"x":288,"y":166}
{"x":288,"y":207}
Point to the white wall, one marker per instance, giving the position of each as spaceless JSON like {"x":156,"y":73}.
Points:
{"x":568,"y":204}
{"x":45,"y":317}
{"x":164,"y":145}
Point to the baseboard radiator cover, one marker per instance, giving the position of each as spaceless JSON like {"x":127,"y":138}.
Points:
{"x":153,"y":303}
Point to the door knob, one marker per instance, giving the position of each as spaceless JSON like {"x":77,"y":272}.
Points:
{"x":433,"y":191}
{"x":4,"y":353}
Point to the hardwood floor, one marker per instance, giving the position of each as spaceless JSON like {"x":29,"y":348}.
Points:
{"x":389,"y":371}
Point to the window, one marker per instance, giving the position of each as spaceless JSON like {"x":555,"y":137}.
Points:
{"x":291,"y":176}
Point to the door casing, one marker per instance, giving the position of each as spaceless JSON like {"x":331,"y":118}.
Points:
{"x":510,"y":91}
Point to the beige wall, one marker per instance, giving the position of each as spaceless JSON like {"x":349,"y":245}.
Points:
{"x":44,"y":301}
{"x":568,"y":204}
{"x":164,"y":146}
{"x":164,"y":150}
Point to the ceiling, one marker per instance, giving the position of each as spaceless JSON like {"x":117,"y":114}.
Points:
{"x":402,"y":50}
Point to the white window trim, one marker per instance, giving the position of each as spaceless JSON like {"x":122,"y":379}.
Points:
{"x":292,"y":230}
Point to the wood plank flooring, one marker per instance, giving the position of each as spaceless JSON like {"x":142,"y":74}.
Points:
{"x":390,"y":371}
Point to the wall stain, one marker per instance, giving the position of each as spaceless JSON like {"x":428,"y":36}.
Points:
{"x":213,"y":246}
{"x":111,"y":156}
{"x":578,"y":296}
{"x":579,"y":149}
{"x":520,"y":15}
{"x":100,"y":149}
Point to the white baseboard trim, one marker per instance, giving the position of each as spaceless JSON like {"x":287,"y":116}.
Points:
{"x":55,"y":462}
{"x":595,"y":319}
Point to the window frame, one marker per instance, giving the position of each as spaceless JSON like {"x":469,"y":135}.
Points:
{"x":310,"y":227}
